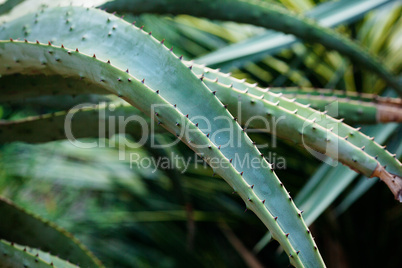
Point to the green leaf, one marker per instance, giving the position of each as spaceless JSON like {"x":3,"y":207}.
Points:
{"x":34,"y":231}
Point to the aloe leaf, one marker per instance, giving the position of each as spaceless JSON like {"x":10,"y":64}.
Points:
{"x":354,"y":112}
{"x":353,"y":107}
{"x":329,"y":14}
{"x":30,"y":232}
{"x":328,"y":183}
{"x":84,"y":121}
{"x":9,"y":5}
{"x":254,"y":184}
{"x":363,"y":185}
{"x":304,"y":92}
{"x":298,"y":132}
{"x":256,"y":13}
{"x":14,"y":255}
{"x":367,"y":144}
{"x":14,"y":87}
{"x":23,"y":129}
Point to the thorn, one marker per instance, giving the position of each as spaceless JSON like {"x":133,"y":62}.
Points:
{"x":196,"y":124}
{"x":127,"y":71}
{"x":163,"y":41}
{"x":214,"y":92}
{"x":219,"y":147}
{"x":231,"y":160}
{"x":245,"y":210}
{"x":118,"y":79}
{"x":297,"y":253}
{"x":11,"y":40}
{"x":37,"y":42}
{"x":62,"y":46}
{"x":157,"y":92}
{"x":187,"y":115}
{"x":181,"y":57}
{"x":108,"y":61}
{"x":252,"y":186}
{"x":241,"y":173}
{"x":287,"y":235}
{"x":177,"y":124}
{"x":171,"y":49}
{"x":26,"y":41}
{"x":76,"y":50}
{"x":249,"y":199}
{"x":290,"y":256}
{"x":208,"y":135}
{"x":191,"y":67}
{"x":281,"y":183}
{"x":150,"y":33}
{"x":308,"y":231}
{"x":143,"y":81}
{"x":142,"y":27}
{"x":363,"y":148}
{"x":263,"y":201}
{"x":174,"y":105}
{"x":276,"y":218}
{"x":94,"y":56}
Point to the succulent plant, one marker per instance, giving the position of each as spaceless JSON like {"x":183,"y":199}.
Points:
{"x":52,"y":53}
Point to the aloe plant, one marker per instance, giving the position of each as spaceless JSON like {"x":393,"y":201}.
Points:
{"x":59,"y":51}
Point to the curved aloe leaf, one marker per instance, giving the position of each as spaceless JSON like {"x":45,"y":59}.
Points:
{"x":353,"y":107}
{"x":9,"y":5}
{"x":329,"y":14}
{"x":392,"y":176}
{"x":255,"y":184}
{"x":363,"y":185}
{"x":85,"y":122}
{"x":30,"y":232}
{"x":354,"y":112}
{"x":303,"y":92}
{"x":14,"y":255}
{"x":256,"y":13}
{"x":297,"y":131}
{"x":14,"y":87}
{"x":328,"y":183}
